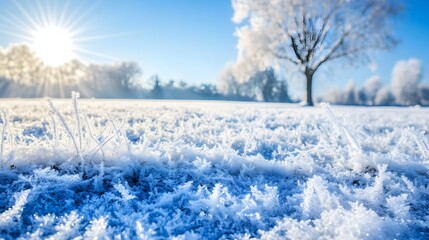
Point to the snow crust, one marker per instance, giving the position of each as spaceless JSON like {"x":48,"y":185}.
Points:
{"x":128,"y":169}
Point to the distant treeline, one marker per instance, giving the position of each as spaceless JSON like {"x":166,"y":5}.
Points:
{"x":405,"y":89}
{"x":23,"y":75}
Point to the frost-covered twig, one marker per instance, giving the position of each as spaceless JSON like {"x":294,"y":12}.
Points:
{"x":340,"y":127}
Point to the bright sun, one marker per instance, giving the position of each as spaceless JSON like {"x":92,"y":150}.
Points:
{"x":54,"y":36}
{"x":53,"y":45}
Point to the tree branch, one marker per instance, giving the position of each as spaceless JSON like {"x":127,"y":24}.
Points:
{"x":285,"y":58}
{"x":333,"y":49}
{"x":295,"y":48}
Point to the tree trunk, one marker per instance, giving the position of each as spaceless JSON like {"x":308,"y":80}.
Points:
{"x":309,"y":76}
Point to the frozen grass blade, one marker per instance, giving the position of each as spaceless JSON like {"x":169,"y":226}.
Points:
{"x":422,"y":144}
{"x":100,"y":146}
{"x":340,"y":127}
{"x":413,"y":135}
{"x":92,"y":136}
{"x":98,"y":181}
{"x":54,"y":128}
{"x":119,"y":133}
{"x":248,"y":143}
{"x":3,"y":133}
{"x":68,"y":130}
{"x":16,"y":210}
{"x":75,"y":96}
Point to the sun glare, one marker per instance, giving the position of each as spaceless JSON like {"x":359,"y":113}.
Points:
{"x":54,"y":31}
{"x":53,"y":45}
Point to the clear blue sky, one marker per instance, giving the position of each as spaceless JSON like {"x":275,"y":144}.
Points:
{"x":192,"y":40}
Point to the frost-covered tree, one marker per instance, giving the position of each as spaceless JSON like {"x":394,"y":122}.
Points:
{"x":266,"y":87}
{"x":261,"y":86}
{"x":370,"y":88}
{"x":406,"y":77}
{"x":424,"y":94}
{"x":405,"y":88}
{"x":157,"y":90}
{"x":309,"y":33}
{"x":23,"y":74}
{"x":384,"y":97}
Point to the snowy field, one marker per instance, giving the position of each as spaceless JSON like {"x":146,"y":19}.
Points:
{"x":133,"y":169}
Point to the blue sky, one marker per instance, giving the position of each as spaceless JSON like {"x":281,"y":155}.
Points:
{"x":192,"y":40}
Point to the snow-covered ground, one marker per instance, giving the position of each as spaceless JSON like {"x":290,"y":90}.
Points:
{"x":131,"y":169}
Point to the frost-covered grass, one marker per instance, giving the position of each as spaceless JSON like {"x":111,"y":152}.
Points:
{"x":189,"y":170}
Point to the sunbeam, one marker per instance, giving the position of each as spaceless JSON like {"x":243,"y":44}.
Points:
{"x":105,"y":36}
{"x":96,"y":54}
{"x":54,"y":33}
{"x":30,"y":19}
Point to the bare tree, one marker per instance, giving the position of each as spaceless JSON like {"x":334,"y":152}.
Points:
{"x":261,"y":86}
{"x":310,"y":33}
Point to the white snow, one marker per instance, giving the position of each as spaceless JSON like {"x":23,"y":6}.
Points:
{"x":135,"y":169}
